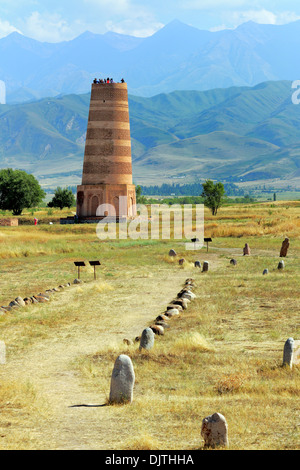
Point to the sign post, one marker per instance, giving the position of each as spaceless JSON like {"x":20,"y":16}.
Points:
{"x":95,"y":263}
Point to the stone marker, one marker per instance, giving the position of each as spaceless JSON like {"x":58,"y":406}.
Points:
{"x":265,"y":271}
{"x":284,"y":248}
{"x":20,"y":301}
{"x":147,"y":339}
{"x":280,"y":264}
{"x":172,"y":312}
{"x":197,"y":264}
{"x":162,"y":318}
{"x":188,"y":295}
{"x":246,"y":250}
{"x":172,"y":306}
{"x":233,"y":262}
{"x":122,"y":381}
{"x":205,"y":266}
{"x":129,"y":342}
{"x":172,"y":253}
{"x":162,"y":323}
{"x":215,"y":431}
{"x":157,"y":329}
{"x":288,"y":352}
{"x":182,"y":302}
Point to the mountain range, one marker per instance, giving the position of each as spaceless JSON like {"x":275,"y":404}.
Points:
{"x":177,"y":57}
{"x":230,"y":134}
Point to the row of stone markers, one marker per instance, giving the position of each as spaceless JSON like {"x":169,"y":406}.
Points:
{"x":280,"y":266}
{"x":214,"y":428}
{"x":123,"y":376}
{"x":42,"y":297}
{"x":197,"y":264}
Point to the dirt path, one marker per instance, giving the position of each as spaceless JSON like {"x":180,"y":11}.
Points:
{"x":47,"y":364}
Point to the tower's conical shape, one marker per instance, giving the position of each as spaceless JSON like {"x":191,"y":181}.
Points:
{"x":107,"y":167}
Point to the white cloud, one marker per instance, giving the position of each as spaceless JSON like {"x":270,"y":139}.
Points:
{"x":6,"y":28}
{"x":264,"y":17}
{"x":134,"y":27}
{"x":47,"y":27}
{"x":211,"y":4}
{"x":235,"y":18}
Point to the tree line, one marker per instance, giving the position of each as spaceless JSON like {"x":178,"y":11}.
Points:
{"x":20,"y":190}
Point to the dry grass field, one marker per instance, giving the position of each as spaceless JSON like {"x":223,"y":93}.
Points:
{"x":223,"y":354}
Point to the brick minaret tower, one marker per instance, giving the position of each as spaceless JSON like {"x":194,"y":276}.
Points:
{"x":107,"y":168}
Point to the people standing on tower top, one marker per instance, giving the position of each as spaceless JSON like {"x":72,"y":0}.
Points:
{"x":122,"y":80}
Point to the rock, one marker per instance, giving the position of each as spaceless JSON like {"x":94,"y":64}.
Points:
{"x":197,"y":264}
{"x":127,"y":341}
{"x":215,"y":431}
{"x":246,"y":250}
{"x":280,"y":264}
{"x":137,"y":339}
{"x":157,"y":329}
{"x":42,"y":294}
{"x":182,"y":302}
{"x":41,"y":299}
{"x":77,"y":281}
{"x":284,"y":248}
{"x":189,"y":296}
{"x":7,"y":309}
{"x":20,"y":301}
{"x":265,"y":271}
{"x":34,"y":300}
{"x":189,"y":281}
{"x":288,"y":352}
{"x":147,"y":339}
{"x":27,"y":301}
{"x":57,"y":290}
{"x":205,"y":266}
{"x":172,"y":253}
{"x":122,"y":381}
{"x":181,"y":261}
{"x":162,"y":318}
{"x":172,"y":306}
{"x":14,"y":304}
{"x":172,"y":312}
{"x":162,"y":323}
{"x":233,"y":262}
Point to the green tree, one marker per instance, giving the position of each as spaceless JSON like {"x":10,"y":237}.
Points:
{"x":19,"y":190}
{"x":138,"y":194}
{"x":213,"y":194}
{"x":62,"y":198}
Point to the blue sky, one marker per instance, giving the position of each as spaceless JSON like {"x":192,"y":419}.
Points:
{"x":58,"y":20}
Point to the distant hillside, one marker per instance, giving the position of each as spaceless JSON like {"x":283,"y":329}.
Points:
{"x":177,"y":57}
{"x":234,"y":134}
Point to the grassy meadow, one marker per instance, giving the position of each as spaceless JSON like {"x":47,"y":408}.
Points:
{"x":223,"y":354}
